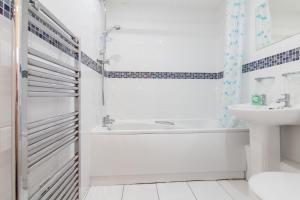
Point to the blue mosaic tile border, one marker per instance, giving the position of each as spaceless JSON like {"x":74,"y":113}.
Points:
{"x":6,"y":8}
{"x":163,"y":75}
{"x":86,"y":60}
{"x":271,"y":61}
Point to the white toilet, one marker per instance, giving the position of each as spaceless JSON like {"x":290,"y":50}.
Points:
{"x":275,"y":186}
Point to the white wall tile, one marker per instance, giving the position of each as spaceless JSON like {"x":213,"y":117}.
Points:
{"x":161,"y":99}
{"x":5,"y":139}
{"x":5,"y":164}
{"x":164,"y":38}
{"x":5,"y":71}
{"x":91,"y":110}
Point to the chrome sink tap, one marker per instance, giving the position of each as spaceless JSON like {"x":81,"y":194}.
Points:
{"x":285,"y":98}
{"x":107,"y":121}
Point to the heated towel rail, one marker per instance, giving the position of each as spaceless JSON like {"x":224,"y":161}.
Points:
{"x":39,"y":75}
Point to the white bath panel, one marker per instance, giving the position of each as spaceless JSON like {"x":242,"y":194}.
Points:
{"x":209,"y":190}
{"x":140,"y":192}
{"x":238,"y":190}
{"x":105,"y":193}
{"x":175,"y":191}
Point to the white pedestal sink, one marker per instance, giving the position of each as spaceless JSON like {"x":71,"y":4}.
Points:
{"x":264,"y":125}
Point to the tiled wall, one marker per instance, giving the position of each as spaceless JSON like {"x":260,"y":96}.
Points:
{"x":6,"y":8}
{"x":165,"y":61}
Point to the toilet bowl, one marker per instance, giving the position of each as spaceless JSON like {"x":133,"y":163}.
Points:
{"x":275,"y":186}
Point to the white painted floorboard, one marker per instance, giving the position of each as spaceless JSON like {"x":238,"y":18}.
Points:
{"x":105,"y":193}
{"x":197,"y":190}
{"x":175,"y":191}
{"x":238,"y":190}
{"x":209,"y":190}
{"x":140,"y":192}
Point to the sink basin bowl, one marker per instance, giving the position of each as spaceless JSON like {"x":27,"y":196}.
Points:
{"x":265,"y":116}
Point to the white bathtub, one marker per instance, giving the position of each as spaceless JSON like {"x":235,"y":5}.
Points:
{"x":146,"y":152}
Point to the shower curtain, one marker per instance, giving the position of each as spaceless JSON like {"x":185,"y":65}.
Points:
{"x":263,"y":24}
{"x":234,"y":39}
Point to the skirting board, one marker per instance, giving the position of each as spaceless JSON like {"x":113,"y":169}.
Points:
{"x":287,"y":165}
{"x":162,"y":178}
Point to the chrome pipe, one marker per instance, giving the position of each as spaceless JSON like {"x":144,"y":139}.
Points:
{"x":51,"y":68}
{"x":49,"y":81}
{"x":68,"y":189}
{"x":73,"y":193}
{"x":65,"y":187}
{"x":36,"y":14}
{"x":52,"y":86}
{"x":45,"y":75}
{"x":19,"y":97}
{"x":52,"y":94}
{"x":76,"y":196}
{"x":38,"y":24}
{"x":53,"y":125}
{"x":60,"y":181}
{"x":60,"y":130}
{"x":40,"y":7}
{"x":71,"y":164}
{"x":42,"y":158}
{"x":49,"y":149}
{"x":42,"y":90}
{"x":48,"y":58}
{"x":43,"y":145}
{"x":46,"y":121}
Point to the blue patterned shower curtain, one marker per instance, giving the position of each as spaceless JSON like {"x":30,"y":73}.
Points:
{"x":234,"y":39}
{"x":263,"y":24}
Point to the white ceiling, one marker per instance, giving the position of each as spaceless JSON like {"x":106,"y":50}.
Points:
{"x":185,"y":3}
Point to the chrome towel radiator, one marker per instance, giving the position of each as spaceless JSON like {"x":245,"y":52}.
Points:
{"x":39,"y":75}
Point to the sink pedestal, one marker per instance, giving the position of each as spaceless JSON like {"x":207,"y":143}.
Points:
{"x":264,"y":148}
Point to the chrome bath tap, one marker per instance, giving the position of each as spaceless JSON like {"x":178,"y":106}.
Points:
{"x":285,"y":98}
{"x":107,"y":121}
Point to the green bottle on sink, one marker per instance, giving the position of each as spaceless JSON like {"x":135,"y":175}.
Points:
{"x":258,"y":100}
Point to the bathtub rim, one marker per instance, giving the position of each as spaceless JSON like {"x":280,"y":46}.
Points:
{"x":99,"y":130}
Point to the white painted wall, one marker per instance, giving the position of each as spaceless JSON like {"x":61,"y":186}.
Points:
{"x":5,"y":108}
{"x":159,"y":37}
{"x":290,"y":137}
{"x":80,"y":17}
